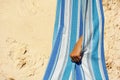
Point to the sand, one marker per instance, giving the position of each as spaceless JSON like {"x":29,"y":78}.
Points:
{"x":26,"y":31}
{"x":112,"y":38}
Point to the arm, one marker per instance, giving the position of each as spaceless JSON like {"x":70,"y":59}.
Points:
{"x":75,"y":54}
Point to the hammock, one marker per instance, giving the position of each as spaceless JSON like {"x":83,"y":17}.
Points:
{"x":76,"y":18}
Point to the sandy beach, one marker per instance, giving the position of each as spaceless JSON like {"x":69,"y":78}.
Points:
{"x":26,"y":31}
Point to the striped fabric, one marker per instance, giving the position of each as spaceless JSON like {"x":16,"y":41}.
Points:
{"x":75,"y":18}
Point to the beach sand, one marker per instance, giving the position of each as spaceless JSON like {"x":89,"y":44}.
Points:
{"x":26,"y":31}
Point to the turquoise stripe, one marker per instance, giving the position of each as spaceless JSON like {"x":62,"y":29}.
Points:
{"x":57,"y":20}
{"x":68,"y":67}
{"x":95,"y":42}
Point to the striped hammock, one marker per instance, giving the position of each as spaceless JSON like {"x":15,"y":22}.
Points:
{"x":76,"y":18}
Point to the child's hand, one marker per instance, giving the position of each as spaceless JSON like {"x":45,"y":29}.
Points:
{"x":76,"y":52}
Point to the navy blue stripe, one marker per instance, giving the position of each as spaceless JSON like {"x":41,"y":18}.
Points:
{"x":56,"y":47}
{"x":102,"y":44}
{"x":95,"y":42}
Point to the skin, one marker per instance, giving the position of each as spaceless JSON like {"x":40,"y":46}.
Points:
{"x":75,"y":55}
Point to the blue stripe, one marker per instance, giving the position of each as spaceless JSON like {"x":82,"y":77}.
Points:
{"x":56,"y":21}
{"x":56,"y":47}
{"x":102,"y":44}
{"x":72,"y":38}
{"x":95,"y":41}
{"x":81,"y":21}
{"x":78,"y":73}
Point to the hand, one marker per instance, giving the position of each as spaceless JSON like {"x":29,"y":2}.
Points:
{"x":76,"y":52}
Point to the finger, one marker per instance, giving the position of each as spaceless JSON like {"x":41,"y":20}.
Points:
{"x":73,"y":59}
{"x":77,"y":59}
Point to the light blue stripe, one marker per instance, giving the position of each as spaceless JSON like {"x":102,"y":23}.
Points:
{"x":89,"y":39}
{"x":95,"y":41}
{"x":83,"y":15}
{"x":56,"y":47}
{"x":102,"y":43}
{"x":56,"y":22}
{"x":72,"y":38}
{"x":73,"y":72}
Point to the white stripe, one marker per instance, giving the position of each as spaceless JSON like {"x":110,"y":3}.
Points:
{"x":100,"y":36}
{"x":62,"y":55}
{"x":68,"y":46}
{"x":87,"y":52}
{"x":78,"y":21}
{"x":82,"y":72}
{"x":83,"y":17}
{"x":78,"y":32}
{"x":91,"y":32}
{"x":70,"y":78}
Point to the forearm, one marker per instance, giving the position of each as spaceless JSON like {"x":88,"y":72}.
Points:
{"x":79,"y":42}
{"x":78,"y":46}
{"x":76,"y":52}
